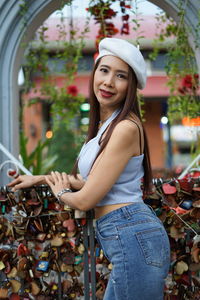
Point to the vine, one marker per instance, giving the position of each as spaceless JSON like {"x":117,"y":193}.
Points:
{"x":125,"y":7}
{"x":197,"y":32}
{"x":23,"y":12}
{"x":138,"y":36}
{"x":65,"y":100}
{"x":137,"y":22}
{"x":183,"y":80}
{"x":103,"y":13}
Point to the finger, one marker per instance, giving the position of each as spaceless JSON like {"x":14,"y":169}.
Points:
{"x":65,"y":180}
{"x":50,"y":178}
{"x":14,"y":182}
{"x":48,"y":181}
{"x":18,"y":187}
{"x":54,"y":176}
{"x":59,"y":176}
{"x":65,"y":177}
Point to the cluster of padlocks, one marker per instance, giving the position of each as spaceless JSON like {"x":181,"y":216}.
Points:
{"x":177,"y":203}
{"x":42,"y":244}
{"x":41,"y":247}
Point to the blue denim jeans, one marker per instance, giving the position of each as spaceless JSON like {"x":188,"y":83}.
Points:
{"x":136,"y":243}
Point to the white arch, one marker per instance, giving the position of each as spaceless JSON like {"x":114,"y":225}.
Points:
{"x":11,"y":55}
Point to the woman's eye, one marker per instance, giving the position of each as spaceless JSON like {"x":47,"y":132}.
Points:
{"x":122,"y":76}
{"x":103,"y":70}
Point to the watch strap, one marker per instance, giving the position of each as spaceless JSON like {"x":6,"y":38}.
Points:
{"x":63,"y":191}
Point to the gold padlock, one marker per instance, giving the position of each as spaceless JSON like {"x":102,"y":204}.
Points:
{"x":2,"y":266}
{"x":54,"y":287}
{"x":44,"y":254}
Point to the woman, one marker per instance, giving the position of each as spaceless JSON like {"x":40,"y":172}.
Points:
{"x":112,"y":163}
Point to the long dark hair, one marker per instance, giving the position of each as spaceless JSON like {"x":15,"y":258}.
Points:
{"x":129,"y":105}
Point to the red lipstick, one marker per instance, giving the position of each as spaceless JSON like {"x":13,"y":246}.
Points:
{"x":106,"y":94}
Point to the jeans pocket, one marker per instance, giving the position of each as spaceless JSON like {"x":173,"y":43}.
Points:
{"x":107,"y":232}
{"x":154,"y":244}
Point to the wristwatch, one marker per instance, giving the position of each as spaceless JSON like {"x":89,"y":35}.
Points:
{"x":61,"y":193}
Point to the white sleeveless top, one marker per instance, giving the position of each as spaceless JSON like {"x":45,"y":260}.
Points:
{"x":127,"y":188}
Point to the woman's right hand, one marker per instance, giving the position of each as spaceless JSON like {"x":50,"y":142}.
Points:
{"x":25,"y":181}
{"x":76,"y":183}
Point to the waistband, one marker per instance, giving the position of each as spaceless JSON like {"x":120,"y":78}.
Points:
{"x":126,"y":211}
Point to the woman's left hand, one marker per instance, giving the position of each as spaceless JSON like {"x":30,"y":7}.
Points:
{"x":58,"y":182}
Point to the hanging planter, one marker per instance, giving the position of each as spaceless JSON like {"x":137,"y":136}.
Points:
{"x":103,"y":13}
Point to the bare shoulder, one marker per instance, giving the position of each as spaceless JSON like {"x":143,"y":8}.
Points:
{"x":126,"y":128}
{"x":128,"y":134}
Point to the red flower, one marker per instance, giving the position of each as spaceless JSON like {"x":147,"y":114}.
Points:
{"x":125,"y":29}
{"x":72,"y":90}
{"x":115,"y":30}
{"x":187,"y":81}
{"x":181,"y":90}
{"x":125,"y":18}
{"x":109,"y":13}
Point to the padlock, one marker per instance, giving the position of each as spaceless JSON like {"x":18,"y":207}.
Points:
{"x":42,"y":266}
{"x":15,"y":285}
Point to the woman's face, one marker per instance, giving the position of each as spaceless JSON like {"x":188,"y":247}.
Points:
{"x":111,"y":82}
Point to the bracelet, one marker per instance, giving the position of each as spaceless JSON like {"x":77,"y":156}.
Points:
{"x":62,"y":192}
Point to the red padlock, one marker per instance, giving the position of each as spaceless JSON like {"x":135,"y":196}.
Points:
{"x":69,"y":224}
{"x":168,"y":189}
{"x":22,"y":250}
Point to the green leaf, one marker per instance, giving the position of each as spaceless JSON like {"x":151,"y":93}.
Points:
{"x":23,"y":151}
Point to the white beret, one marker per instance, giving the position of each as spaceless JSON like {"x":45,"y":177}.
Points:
{"x":128,"y":53}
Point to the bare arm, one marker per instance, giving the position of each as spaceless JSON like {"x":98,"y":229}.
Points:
{"x":122,"y":145}
{"x":25,"y":181}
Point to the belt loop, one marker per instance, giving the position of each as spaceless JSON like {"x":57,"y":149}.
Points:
{"x":152,"y":209}
{"x":126,"y":212}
